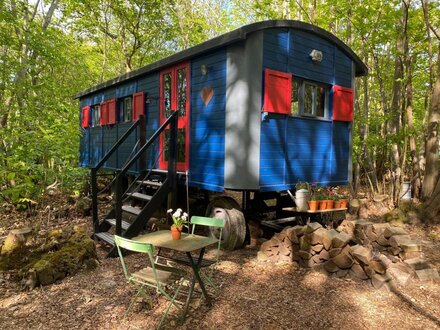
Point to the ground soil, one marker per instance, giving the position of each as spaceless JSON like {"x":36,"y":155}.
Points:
{"x":252,"y":295}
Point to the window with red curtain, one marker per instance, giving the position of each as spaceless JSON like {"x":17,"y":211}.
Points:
{"x":138,"y":105}
{"x":111,"y":112}
{"x":104,"y":114}
{"x":85,"y":116}
{"x":342,"y":103}
{"x":277,"y":92}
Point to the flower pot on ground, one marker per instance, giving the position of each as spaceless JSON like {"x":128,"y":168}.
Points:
{"x":313,"y":205}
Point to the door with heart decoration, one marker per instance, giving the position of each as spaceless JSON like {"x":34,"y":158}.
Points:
{"x":174,"y":96}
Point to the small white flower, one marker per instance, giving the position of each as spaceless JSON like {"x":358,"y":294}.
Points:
{"x":170,"y":211}
{"x":184,"y":217}
{"x":185,"y":214}
{"x":177,"y":214}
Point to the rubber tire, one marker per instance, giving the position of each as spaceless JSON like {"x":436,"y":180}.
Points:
{"x":234,"y":232}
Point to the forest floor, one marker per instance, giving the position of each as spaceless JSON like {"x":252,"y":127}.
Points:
{"x":252,"y":295}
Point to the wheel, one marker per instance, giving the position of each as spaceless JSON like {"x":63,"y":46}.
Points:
{"x":234,"y":232}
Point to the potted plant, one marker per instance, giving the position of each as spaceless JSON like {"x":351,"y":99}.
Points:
{"x":343,"y":200}
{"x":313,"y":203}
{"x":322,"y":201}
{"x":330,"y":201}
{"x":179,"y":220}
{"x":337,"y":200}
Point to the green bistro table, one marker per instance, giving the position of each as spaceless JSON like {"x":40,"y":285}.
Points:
{"x":187,"y":244}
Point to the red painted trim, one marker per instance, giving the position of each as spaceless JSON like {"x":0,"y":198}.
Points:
{"x":112,"y":117}
{"x":104,"y":114}
{"x":183,"y":122}
{"x":138,"y":105}
{"x":342,"y":103}
{"x":85,"y":117}
{"x":277,"y":92}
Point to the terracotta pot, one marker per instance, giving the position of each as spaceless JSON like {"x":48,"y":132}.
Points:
{"x":343,"y":203}
{"x":313,"y":205}
{"x":330,"y":203}
{"x":337,"y":204}
{"x":175,"y":233}
{"x":323,"y":205}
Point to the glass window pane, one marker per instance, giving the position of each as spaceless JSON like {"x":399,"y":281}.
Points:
{"x":167,"y":94}
{"x":320,"y":104}
{"x":308,"y":99}
{"x":95,"y":115}
{"x":181,"y":91}
{"x":181,"y":145}
{"x":295,"y":92}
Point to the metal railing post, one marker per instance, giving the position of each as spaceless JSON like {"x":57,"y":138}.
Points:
{"x":118,"y":204}
{"x":172,"y":162}
{"x":94,"y":188}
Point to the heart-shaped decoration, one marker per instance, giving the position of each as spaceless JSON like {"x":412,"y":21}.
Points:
{"x":206,"y":94}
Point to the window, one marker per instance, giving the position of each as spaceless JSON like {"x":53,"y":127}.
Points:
{"x":96,"y":110}
{"x":309,"y":99}
{"x":126,"y":109}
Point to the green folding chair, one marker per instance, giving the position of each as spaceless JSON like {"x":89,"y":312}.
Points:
{"x":215,"y":226}
{"x":158,"y":277}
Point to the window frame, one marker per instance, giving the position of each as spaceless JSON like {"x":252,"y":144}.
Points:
{"x":301,"y":83}
{"x":126,"y":113}
{"x":96,"y":108}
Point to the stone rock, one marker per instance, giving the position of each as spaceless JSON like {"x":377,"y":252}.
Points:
{"x":305,"y":255}
{"x":84,"y":206}
{"x":341,"y":273}
{"x":379,"y":280}
{"x":334,"y":252}
{"x":354,"y":206}
{"x":394,"y":250}
{"x":261,"y":256}
{"x":307,"y":263}
{"x":358,"y":272}
{"x":304,"y":243}
{"x":427,"y":274}
{"x":395,"y":215}
{"x":369,"y":271}
{"x":321,"y":236}
{"x":417,"y":263}
{"x":324,"y":255}
{"x":14,"y":241}
{"x":361,"y":253}
{"x":311,"y":227}
{"x":316,"y":259}
{"x":331,"y":267}
{"x":343,"y":260}
{"x":378,"y":198}
{"x":340,"y":240}
{"x":378,"y":266}
{"x":379,"y":228}
{"x":291,"y":234}
{"x":317,"y":248}
{"x":332,"y":233}
{"x":398,"y":240}
{"x":401,"y":273}
{"x":299,"y":230}
{"x":382,"y":240}
{"x":410,"y":247}
{"x":410,"y":255}
{"x":391,"y":231}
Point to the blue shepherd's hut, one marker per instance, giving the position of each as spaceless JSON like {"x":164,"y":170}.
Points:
{"x":258,"y":109}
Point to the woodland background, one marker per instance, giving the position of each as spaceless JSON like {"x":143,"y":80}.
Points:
{"x":51,"y":50}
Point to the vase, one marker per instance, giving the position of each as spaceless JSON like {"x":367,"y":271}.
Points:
{"x":323,"y":204}
{"x":337,"y":204}
{"x":175,"y":233}
{"x":313,"y":205}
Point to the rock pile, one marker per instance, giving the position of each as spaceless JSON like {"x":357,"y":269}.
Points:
{"x":360,"y":250}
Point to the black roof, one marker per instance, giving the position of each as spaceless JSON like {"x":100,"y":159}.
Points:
{"x":226,"y":39}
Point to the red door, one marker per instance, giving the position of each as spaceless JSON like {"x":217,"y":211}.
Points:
{"x":174,"y":96}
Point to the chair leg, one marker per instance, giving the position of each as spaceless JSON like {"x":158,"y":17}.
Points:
{"x":172,"y":302}
{"x":132,"y":301}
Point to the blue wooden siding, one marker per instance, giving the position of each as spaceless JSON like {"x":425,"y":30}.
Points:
{"x":288,"y":51}
{"x":295,"y":149}
{"x":300,"y":149}
{"x":207,"y":123}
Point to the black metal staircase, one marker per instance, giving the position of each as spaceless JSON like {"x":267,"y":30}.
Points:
{"x":134,"y":207}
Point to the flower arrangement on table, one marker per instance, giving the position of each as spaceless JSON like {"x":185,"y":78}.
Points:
{"x":180,"y":219}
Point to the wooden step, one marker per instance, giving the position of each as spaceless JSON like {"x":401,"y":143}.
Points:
{"x":131,"y":210}
{"x":106,"y":237}
{"x":124,"y":224}
{"x":142,"y":197}
{"x":150,"y":183}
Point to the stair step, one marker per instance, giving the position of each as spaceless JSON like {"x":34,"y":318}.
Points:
{"x":157,"y":170}
{"x":142,"y":197}
{"x":124,"y":224}
{"x":106,"y":237}
{"x":130,"y":209}
{"x":150,"y":183}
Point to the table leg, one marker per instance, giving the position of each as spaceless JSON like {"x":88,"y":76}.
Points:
{"x":196,"y":268}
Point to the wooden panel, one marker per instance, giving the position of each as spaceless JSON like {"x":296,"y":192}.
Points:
{"x":112,"y":115}
{"x":207,"y":122}
{"x":342,"y":103}
{"x":277,"y":92}
{"x":85,"y":116}
{"x":138,"y":105}
{"x":103,"y":119}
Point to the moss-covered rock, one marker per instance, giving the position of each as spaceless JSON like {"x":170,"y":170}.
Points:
{"x":395,"y":215}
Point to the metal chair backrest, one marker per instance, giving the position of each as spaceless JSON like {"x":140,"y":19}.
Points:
{"x":134,"y":246}
{"x":209,"y":222}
